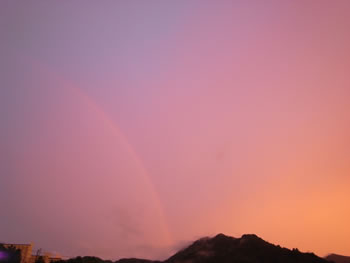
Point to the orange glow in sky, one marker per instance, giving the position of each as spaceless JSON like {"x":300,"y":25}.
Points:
{"x":130,"y":128}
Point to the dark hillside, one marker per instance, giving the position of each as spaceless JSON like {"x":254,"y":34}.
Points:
{"x":338,"y":258}
{"x":247,"y":249}
{"x":226,"y":249}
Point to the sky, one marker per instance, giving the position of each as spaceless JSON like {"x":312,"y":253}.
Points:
{"x":131,"y":128}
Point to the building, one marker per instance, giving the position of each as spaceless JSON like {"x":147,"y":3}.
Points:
{"x":26,"y":251}
{"x":46,"y":257}
{"x":27,"y":254}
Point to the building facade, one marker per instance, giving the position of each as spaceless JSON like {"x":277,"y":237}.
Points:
{"x":27,"y":253}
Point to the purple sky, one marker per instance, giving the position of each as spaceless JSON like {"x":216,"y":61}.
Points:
{"x":129,"y":128}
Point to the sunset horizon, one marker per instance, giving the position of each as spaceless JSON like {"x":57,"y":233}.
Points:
{"x":130,"y":129}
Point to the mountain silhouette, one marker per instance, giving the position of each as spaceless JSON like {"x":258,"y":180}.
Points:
{"x":247,"y":249}
{"x":225,"y":249}
{"x":136,"y":260}
{"x":338,"y":258}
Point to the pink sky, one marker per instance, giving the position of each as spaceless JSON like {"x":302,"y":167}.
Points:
{"x":130,"y":128}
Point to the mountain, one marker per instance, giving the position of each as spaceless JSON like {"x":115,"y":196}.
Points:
{"x":135,"y":260}
{"x":226,"y":249}
{"x":247,"y":249}
{"x":338,"y":258}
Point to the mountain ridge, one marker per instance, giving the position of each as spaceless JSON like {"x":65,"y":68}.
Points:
{"x":249,"y":248}
{"x":338,"y":258}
